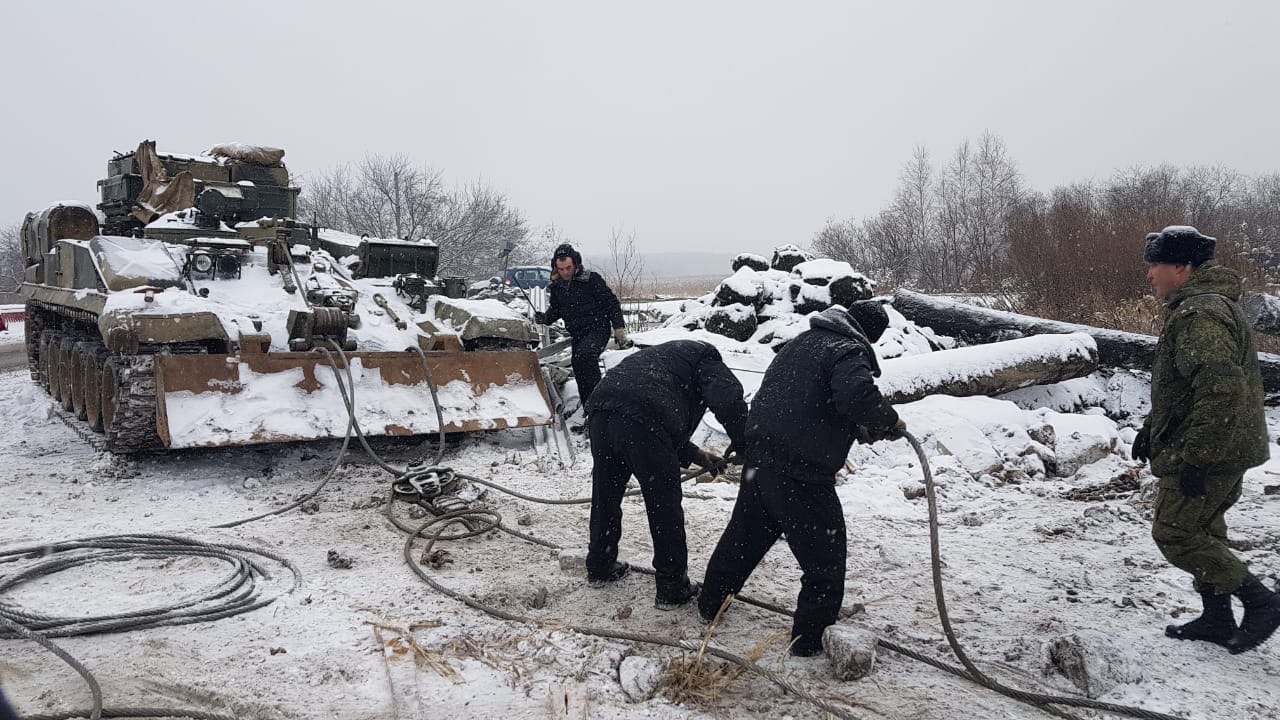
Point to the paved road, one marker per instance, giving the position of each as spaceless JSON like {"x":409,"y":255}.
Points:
{"x":12,"y":355}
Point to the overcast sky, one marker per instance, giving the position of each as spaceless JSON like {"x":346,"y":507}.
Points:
{"x":729,"y":126}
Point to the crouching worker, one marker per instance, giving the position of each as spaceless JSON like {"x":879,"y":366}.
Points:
{"x":818,"y":395}
{"x":640,"y":419}
{"x":1205,"y":429}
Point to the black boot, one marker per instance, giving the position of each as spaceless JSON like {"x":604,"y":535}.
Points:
{"x":670,"y":598}
{"x":1261,"y":616}
{"x":615,"y":573}
{"x":1216,"y":624}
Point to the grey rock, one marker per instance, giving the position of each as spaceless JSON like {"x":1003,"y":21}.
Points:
{"x":847,"y":290}
{"x":850,"y":651}
{"x":1091,"y":661}
{"x":787,"y":257}
{"x":750,"y":260}
{"x":736,"y":321}
{"x":639,"y":677}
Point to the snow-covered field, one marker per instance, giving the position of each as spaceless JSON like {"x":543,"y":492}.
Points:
{"x":1024,"y":566}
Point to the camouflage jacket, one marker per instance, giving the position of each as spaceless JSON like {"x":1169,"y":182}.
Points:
{"x":1206,"y":389}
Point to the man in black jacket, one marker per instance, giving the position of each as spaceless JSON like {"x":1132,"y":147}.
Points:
{"x":640,"y":421}
{"x":816,"y":398}
{"x":590,"y":311}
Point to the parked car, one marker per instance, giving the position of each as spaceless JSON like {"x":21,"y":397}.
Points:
{"x":525,"y":276}
{"x":521,"y":276}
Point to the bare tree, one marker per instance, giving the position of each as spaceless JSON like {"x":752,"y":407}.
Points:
{"x":997,"y":190}
{"x":889,"y":245}
{"x":12,"y":264}
{"x":389,"y":197}
{"x":625,"y":274}
{"x":385,"y":197}
{"x":472,"y":226}
{"x":626,"y":271}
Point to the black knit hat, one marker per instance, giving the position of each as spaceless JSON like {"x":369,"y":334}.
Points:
{"x":1179,"y":245}
{"x":871,"y":317}
{"x":565,"y":250}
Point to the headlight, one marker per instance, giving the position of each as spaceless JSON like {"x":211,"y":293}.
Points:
{"x":201,"y":262}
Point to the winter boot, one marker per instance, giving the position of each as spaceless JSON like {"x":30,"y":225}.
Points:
{"x":1261,"y":616}
{"x":670,"y":598}
{"x":806,"y":647}
{"x":1216,"y":624}
{"x":615,"y":573}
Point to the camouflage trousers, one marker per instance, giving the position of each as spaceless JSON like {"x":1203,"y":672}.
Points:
{"x":1192,"y":532}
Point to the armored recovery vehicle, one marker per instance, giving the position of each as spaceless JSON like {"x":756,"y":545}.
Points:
{"x":202,"y":328}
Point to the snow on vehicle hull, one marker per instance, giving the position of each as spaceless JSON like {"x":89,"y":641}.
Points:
{"x":216,"y":400}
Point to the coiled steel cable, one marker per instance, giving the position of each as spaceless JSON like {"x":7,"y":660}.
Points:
{"x":236,"y":593}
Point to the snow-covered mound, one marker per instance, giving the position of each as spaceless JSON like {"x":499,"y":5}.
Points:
{"x":771,"y":304}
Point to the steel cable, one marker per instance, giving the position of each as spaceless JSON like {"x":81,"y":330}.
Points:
{"x":234,"y":594}
{"x":970,"y":671}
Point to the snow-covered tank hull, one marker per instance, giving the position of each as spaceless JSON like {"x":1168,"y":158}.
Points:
{"x":231,"y":341}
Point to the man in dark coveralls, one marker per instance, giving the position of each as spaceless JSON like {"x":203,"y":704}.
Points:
{"x":817,"y":396}
{"x":1205,"y":429}
{"x":591,"y":313}
{"x":640,"y":420}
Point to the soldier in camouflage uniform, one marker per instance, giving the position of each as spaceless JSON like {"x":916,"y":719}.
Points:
{"x":1205,"y":429}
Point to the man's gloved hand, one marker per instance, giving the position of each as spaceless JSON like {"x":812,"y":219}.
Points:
{"x":899,"y":428}
{"x":539,"y":317}
{"x":709,"y":461}
{"x":868,"y":435}
{"x":620,"y":337}
{"x":1142,"y":445}
{"x":1191,"y":479}
{"x":732,"y":456}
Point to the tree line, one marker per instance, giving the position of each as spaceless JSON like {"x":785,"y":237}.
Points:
{"x":971,"y":224}
{"x":391,"y":197}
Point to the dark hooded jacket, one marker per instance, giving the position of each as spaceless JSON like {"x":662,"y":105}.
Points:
{"x":1206,"y":387}
{"x":814,"y":396}
{"x":669,"y":387}
{"x":585,"y":303}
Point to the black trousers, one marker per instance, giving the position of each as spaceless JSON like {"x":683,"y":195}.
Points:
{"x":621,"y":447}
{"x":771,"y":505}
{"x":586,"y":360}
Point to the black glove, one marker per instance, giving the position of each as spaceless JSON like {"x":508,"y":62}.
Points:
{"x":1191,"y":480}
{"x":899,"y":428}
{"x":1142,"y":445}
{"x":539,"y":317}
{"x":868,"y":435}
{"x":709,"y":461}
{"x":732,"y":456}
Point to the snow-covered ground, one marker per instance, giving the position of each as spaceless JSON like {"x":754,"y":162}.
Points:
{"x":1024,"y":566}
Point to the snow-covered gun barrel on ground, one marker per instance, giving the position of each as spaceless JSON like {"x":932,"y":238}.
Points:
{"x":974,"y":324}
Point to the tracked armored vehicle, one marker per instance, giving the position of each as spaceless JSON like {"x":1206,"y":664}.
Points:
{"x":199,"y":327}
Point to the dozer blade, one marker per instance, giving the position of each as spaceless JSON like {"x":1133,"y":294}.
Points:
{"x":214,"y":400}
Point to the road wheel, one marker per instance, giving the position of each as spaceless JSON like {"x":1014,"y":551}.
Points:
{"x":66,"y":356}
{"x":109,"y":393}
{"x":93,"y":370}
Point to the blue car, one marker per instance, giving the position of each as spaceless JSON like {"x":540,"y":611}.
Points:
{"x":525,"y":276}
